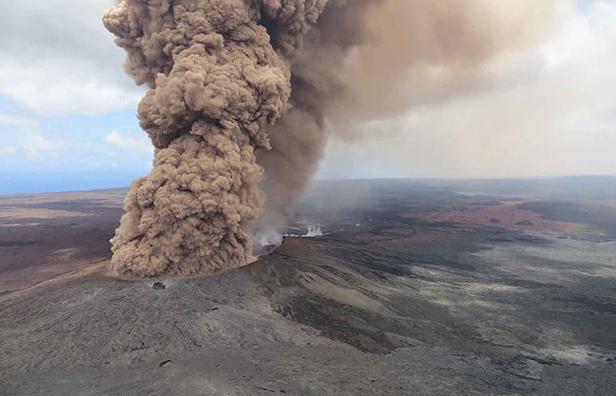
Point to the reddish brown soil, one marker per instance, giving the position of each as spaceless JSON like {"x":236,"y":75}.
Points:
{"x":505,"y":215}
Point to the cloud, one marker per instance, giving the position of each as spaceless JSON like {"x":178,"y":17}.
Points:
{"x":37,"y":147}
{"x":56,"y":58}
{"x":21,"y":122}
{"x":132,"y":143}
{"x":76,"y":89}
{"x":28,"y":140}
{"x":8,"y":150}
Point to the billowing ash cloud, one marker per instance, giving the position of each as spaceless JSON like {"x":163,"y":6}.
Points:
{"x":216,"y":83}
{"x":245,"y":87}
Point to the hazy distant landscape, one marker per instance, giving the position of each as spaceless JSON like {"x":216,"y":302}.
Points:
{"x":428,"y":287}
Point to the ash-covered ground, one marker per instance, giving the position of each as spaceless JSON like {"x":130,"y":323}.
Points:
{"x":416,"y":288}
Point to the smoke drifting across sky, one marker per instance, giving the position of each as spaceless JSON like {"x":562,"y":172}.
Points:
{"x":245,"y":88}
{"x":369,"y":60}
{"x":534,"y":100}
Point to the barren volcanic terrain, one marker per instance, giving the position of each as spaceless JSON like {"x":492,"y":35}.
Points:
{"x":414,"y":287}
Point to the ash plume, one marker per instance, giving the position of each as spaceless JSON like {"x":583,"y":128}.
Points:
{"x":244,"y":95}
{"x":217,"y":80}
{"x":368,"y":60}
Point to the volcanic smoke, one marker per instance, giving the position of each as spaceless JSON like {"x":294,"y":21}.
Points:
{"x":241,"y":89}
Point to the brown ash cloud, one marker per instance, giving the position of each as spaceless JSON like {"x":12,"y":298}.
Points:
{"x":244,"y":95}
{"x":216,"y":83}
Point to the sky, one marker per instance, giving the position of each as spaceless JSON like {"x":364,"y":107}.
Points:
{"x":68,"y":111}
